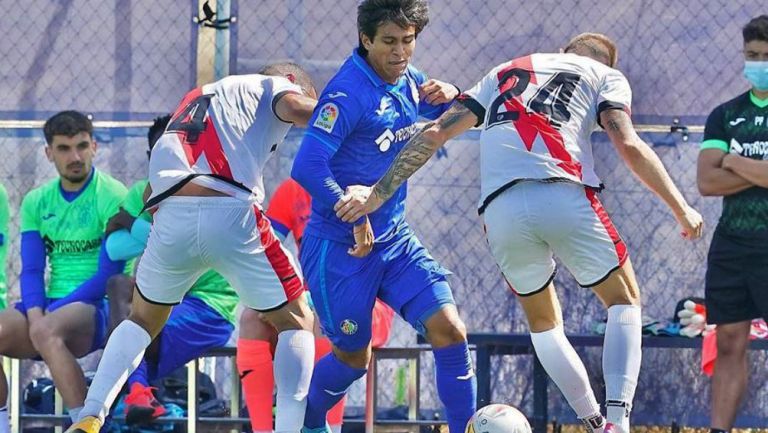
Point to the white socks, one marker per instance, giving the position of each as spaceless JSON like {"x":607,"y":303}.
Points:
{"x":74,"y":414}
{"x":621,"y":362}
{"x":124,"y":351}
{"x":294,"y":361}
{"x":564,"y":366}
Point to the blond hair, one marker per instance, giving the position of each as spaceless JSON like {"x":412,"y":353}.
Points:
{"x":595,"y":45}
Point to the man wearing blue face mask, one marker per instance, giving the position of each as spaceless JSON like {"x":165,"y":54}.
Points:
{"x":733,"y":163}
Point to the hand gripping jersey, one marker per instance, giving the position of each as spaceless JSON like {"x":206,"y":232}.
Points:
{"x":537,"y":114}
{"x":365,"y":122}
{"x":220,"y":137}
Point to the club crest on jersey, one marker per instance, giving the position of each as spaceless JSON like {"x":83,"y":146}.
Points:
{"x":349,"y":327}
{"x":327,"y":117}
{"x":383,"y":105}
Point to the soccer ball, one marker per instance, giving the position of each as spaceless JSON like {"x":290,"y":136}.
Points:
{"x":498,"y":418}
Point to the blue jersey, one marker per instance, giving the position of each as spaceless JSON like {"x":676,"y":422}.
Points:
{"x":360,"y":124}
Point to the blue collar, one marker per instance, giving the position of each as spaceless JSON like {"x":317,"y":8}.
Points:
{"x":368,"y":71}
{"x":70,"y":196}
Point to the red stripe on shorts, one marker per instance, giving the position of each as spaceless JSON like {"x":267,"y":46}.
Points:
{"x":618,"y":243}
{"x":293,"y":286}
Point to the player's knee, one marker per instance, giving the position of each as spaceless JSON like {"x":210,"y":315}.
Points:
{"x":731,"y":343}
{"x":254,"y":327}
{"x":7,"y":337}
{"x":46,"y":335}
{"x":294,"y":315}
{"x":445,"y":328}
{"x":358,"y":359}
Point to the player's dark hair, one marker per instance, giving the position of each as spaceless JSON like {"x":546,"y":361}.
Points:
{"x":756,"y":29}
{"x":67,"y":123}
{"x":373,"y":13}
{"x":156,"y":130}
{"x":596,"y":46}
{"x":293,"y":71}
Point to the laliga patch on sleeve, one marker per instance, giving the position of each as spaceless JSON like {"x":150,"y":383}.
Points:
{"x":326,"y":119}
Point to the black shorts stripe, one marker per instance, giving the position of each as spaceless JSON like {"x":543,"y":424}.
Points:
{"x":601,"y":279}
{"x":271,"y":309}
{"x":540,"y":289}
{"x":167,"y":304}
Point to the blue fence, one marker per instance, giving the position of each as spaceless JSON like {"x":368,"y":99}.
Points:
{"x":131,"y":60}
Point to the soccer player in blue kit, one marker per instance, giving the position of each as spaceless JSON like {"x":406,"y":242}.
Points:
{"x":365,"y":115}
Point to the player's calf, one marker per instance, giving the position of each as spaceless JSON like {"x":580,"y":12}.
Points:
{"x":456,"y":382}
{"x":294,"y":360}
{"x":622,"y":350}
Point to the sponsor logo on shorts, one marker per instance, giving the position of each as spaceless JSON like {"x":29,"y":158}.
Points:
{"x":349,"y":327}
{"x":327,"y":117}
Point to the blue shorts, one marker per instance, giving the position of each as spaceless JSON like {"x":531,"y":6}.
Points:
{"x":192,"y":329}
{"x":100,"y":320}
{"x":344,"y":288}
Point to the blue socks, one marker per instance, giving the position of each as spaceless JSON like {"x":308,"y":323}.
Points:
{"x":139,"y":375}
{"x":330,"y":381}
{"x":456,"y":384}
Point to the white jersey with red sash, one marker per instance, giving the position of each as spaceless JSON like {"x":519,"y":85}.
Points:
{"x":537,"y":114}
{"x":221,"y":136}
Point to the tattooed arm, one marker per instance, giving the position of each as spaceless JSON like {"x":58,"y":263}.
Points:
{"x":422,"y":146}
{"x":647,"y":166}
{"x":415,"y":154}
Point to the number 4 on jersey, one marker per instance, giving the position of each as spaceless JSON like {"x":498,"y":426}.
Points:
{"x":191,"y":120}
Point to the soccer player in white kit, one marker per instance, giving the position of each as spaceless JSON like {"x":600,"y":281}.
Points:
{"x":206,"y":178}
{"x":539,"y":197}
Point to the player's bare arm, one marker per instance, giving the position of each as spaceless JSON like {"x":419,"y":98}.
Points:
{"x":414,"y":155}
{"x":436,"y":92}
{"x":647,"y":166}
{"x":754,"y":171}
{"x":715,"y":180}
{"x":295,"y":108}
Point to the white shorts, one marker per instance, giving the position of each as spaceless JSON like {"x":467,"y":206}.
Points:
{"x":530,"y":221}
{"x":191,"y":235}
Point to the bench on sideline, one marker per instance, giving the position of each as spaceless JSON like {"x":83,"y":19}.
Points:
{"x":485,"y":346}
